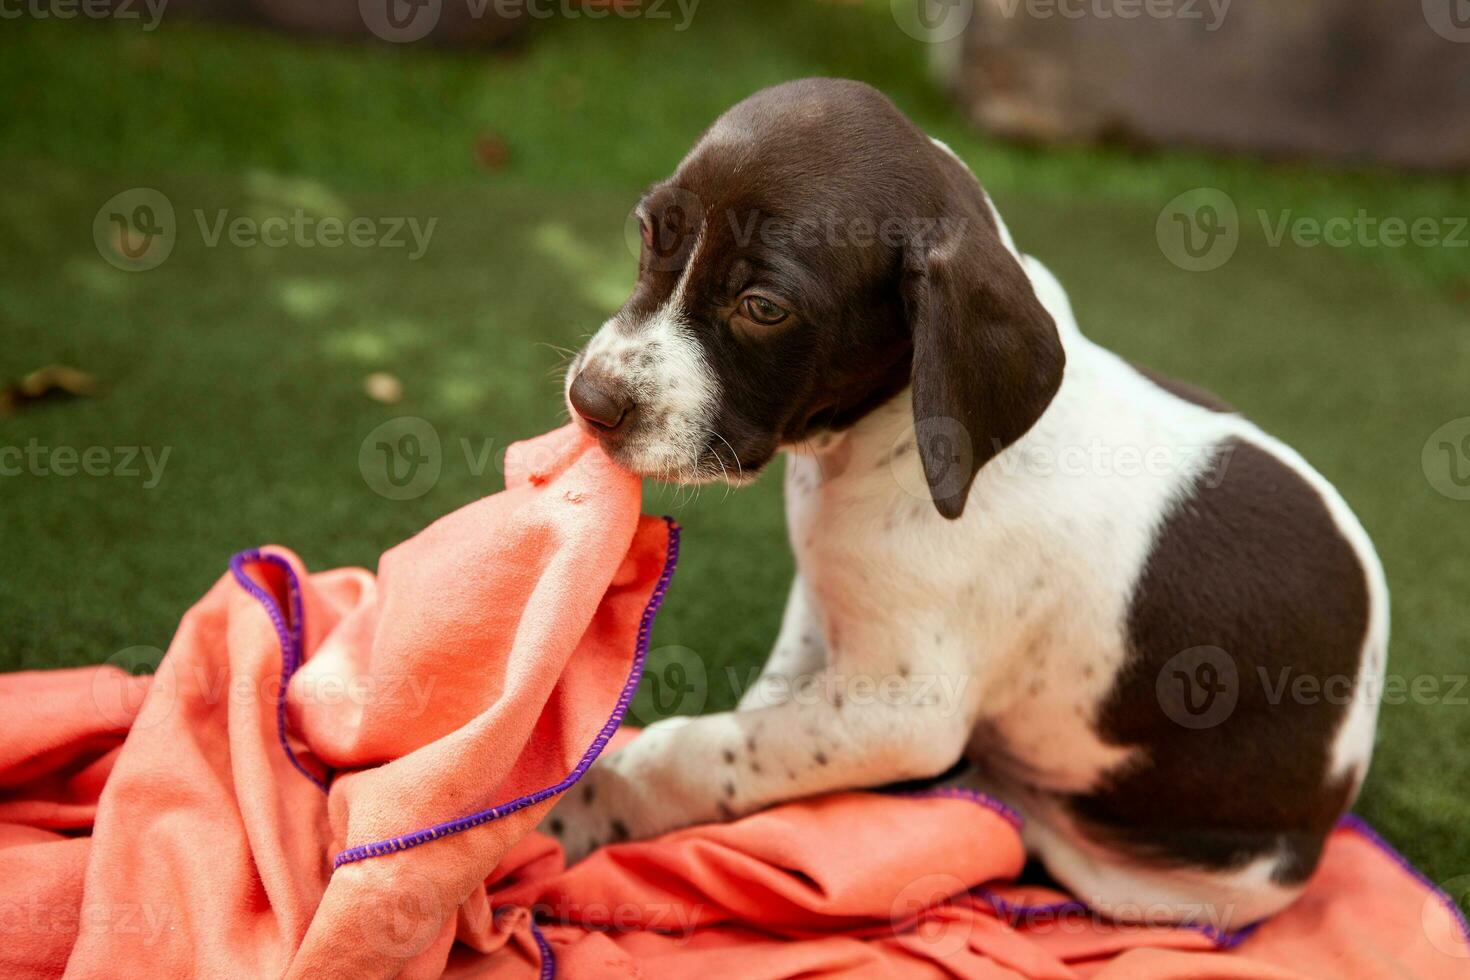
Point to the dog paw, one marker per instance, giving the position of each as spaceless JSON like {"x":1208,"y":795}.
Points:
{"x":598,"y":809}
{"x":642,"y":790}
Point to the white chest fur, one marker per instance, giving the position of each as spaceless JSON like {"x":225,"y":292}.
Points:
{"x":1026,"y":595}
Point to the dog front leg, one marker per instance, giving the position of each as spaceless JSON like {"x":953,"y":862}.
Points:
{"x":799,"y":652}
{"x":834,"y":735}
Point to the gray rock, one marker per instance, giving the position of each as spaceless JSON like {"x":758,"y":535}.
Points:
{"x":1381,"y":81}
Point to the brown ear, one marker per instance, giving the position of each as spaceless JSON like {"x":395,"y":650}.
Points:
{"x":987,"y":358}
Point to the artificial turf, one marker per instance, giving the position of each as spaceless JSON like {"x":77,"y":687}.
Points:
{"x":247,"y":364}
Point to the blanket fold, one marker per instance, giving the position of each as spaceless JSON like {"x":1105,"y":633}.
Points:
{"x":339,"y":773}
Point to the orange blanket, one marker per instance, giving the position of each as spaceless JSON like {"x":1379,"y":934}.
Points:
{"x":339,"y":775}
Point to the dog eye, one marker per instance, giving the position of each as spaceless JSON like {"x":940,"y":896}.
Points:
{"x":762,"y":310}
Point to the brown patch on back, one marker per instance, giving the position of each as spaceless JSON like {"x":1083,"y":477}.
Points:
{"x":1250,"y":562}
{"x":1187,"y":391}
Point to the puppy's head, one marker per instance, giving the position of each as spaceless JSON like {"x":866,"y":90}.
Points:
{"x":813,"y":255}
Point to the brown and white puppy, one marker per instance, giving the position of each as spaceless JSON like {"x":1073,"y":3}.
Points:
{"x":1098,"y":585}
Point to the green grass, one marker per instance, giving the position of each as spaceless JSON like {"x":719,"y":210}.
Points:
{"x":248,"y":363}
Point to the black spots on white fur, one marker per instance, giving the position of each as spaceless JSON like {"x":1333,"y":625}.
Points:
{"x":750,"y":742}
{"x":726,"y":811}
{"x":589,"y":793}
{"x":729,"y":756}
{"x":904,"y":670}
{"x":556,"y":826}
{"x":819,"y":757}
{"x":729,"y":790}
{"x":755,"y":766}
{"x":618,"y":831}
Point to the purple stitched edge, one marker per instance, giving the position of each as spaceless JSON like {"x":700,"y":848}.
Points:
{"x":290,"y":638}
{"x":548,"y":958}
{"x":1229,"y":940}
{"x":1354,"y":822}
{"x":405,"y":841}
{"x":961,"y":793}
{"x":1012,"y":911}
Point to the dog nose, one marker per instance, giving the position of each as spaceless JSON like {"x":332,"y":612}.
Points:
{"x":603,"y":404}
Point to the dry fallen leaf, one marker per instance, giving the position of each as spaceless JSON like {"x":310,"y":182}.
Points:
{"x":491,"y":152}
{"x":383,"y":387}
{"x":50,"y":380}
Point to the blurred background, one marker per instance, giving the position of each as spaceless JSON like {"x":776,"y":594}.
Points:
{"x":245,"y":244}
